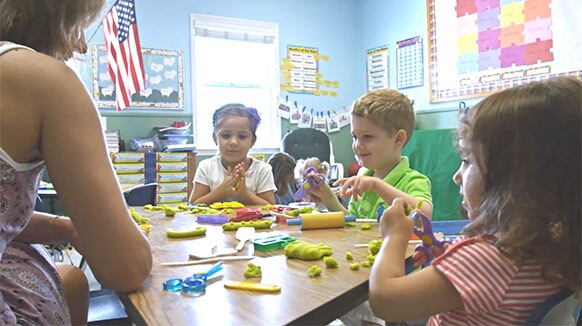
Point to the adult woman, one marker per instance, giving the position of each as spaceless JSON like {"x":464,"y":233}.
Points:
{"x":47,"y":119}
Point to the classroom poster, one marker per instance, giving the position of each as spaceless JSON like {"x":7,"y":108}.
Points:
{"x":479,"y":47}
{"x":304,"y":68}
{"x":409,"y":63}
{"x":377,"y":68}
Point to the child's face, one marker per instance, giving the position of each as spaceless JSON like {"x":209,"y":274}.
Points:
{"x":234,"y":139}
{"x":470,"y":179}
{"x":373,"y":146}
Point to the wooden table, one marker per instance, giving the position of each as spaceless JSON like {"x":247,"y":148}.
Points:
{"x":302,"y":300}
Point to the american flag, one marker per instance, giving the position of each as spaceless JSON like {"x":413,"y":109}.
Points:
{"x":123,"y":52}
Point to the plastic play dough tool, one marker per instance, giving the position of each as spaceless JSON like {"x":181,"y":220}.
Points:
{"x":205,"y":255}
{"x":252,"y":286}
{"x":273,"y":242}
{"x":243,"y":234}
{"x":206,"y":261}
{"x":321,"y":220}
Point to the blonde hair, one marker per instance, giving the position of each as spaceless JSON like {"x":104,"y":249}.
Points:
{"x":388,"y":109}
{"x":52,"y":27}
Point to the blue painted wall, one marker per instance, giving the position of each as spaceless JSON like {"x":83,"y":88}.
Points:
{"x":328,"y":25}
{"x":341,"y":29}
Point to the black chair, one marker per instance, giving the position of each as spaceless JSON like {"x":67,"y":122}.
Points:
{"x":302,"y":143}
{"x":141,"y":195}
{"x":104,"y":305}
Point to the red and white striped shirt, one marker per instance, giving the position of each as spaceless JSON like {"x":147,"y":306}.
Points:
{"x":494,"y":291}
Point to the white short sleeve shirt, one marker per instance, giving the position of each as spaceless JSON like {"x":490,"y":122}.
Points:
{"x":258,"y":178}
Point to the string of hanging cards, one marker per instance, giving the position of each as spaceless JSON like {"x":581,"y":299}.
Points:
{"x":330,"y":121}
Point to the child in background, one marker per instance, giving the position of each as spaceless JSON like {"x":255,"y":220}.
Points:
{"x":283,"y":166}
{"x":382,"y":123}
{"x":520,"y":176}
{"x":232,"y":175}
{"x":320,"y":167}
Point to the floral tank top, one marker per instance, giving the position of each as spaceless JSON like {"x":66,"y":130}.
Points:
{"x":31,"y":291}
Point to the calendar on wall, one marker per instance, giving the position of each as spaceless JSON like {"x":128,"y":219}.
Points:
{"x":409,"y":63}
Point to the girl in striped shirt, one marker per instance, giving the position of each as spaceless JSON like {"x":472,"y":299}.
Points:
{"x":520,"y":177}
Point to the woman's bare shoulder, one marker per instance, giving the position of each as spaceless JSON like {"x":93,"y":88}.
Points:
{"x":30,"y":68}
{"x":40,"y":77}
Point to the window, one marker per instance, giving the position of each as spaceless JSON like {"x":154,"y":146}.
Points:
{"x":234,"y":61}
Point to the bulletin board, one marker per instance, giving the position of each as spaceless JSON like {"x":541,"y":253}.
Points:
{"x":164,"y":80}
{"x":481,"y":46}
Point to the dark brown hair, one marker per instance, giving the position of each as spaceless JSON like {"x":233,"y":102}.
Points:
{"x":52,"y":27}
{"x":236,"y":110}
{"x":526,"y":143}
{"x":387,"y":108}
{"x":283,"y":166}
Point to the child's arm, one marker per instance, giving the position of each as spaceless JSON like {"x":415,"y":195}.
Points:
{"x":328,"y":197}
{"x":48,"y":229}
{"x":356,"y":186}
{"x":201,"y":194}
{"x":394,"y":296}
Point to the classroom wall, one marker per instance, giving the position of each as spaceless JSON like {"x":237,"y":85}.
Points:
{"x":341,"y":29}
{"x":328,"y":25}
{"x":389,"y":21}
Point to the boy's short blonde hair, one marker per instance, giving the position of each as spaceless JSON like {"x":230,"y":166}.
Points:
{"x":388,"y":109}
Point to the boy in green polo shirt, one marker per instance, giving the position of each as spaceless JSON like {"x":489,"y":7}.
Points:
{"x":382,"y":123}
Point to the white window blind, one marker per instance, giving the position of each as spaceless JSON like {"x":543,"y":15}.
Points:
{"x":234,"y":61}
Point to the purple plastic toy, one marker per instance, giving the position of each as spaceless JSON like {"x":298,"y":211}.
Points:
{"x":430,"y":244}
{"x":308,"y":183}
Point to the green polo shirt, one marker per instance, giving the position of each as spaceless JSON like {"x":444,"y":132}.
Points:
{"x":403,"y":178}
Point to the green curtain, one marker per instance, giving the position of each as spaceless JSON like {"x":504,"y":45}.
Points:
{"x":433,"y":153}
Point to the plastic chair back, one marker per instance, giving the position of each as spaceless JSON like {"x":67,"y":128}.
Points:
{"x":141,"y":195}
{"x":304,"y":143}
{"x":563,"y":308}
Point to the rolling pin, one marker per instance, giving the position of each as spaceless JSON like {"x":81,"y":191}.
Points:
{"x":321,"y":220}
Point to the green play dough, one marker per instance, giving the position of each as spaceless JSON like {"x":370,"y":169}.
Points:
{"x":253,"y":271}
{"x":307,"y":251}
{"x":314,"y":271}
{"x":330,"y":262}
{"x":374,"y":246}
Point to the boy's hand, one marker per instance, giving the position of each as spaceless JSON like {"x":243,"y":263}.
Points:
{"x":356,"y":186}
{"x":321,"y":193}
{"x":395,"y":222}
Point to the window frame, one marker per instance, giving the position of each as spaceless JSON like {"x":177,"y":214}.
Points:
{"x":240,"y":26}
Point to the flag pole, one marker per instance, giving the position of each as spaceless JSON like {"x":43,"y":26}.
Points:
{"x":101,"y":22}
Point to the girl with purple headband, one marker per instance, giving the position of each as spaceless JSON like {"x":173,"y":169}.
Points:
{"x":233,"y":175}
